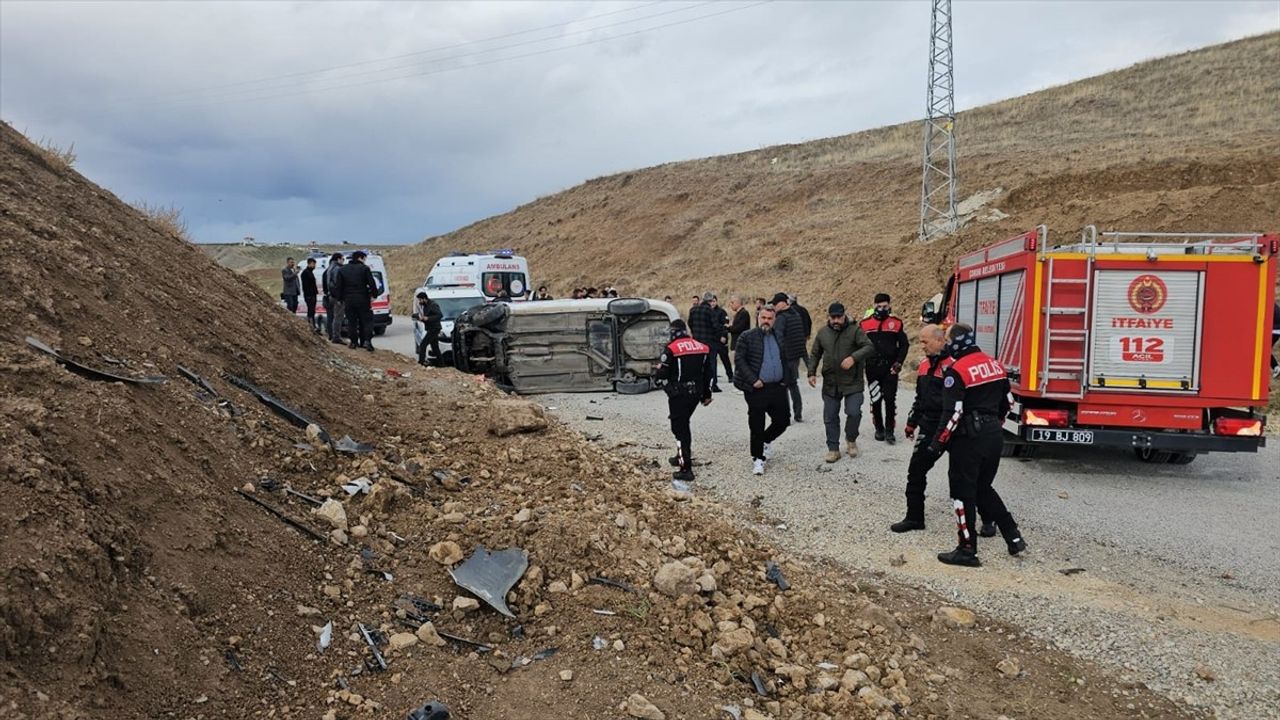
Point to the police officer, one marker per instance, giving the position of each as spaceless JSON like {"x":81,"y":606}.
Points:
{"x":975,"y":400}
{"x":688,"y":368}
{"x":357,"y":287}
{"x":925,"y":414}
{"x":889,"y":336}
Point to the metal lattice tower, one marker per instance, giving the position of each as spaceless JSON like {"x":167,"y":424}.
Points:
{"x":938,"y":189}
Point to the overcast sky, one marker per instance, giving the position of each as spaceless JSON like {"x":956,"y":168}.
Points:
{"x":430,"y":116}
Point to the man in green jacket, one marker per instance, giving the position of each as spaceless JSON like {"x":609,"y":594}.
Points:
{"x":840,"y":351}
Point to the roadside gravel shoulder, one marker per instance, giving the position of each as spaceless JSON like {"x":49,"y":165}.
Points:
{"x":1174,"y":570}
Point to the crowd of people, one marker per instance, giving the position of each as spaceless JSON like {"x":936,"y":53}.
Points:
{"x":346,"y":289}
{"x":962,"y":395}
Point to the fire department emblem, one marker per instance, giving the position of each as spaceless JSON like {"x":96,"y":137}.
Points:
{"x":1147,"y":294}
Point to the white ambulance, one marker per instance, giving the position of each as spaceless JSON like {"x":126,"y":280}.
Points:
{"x":381,"y":303}
{"x":460,"y":281}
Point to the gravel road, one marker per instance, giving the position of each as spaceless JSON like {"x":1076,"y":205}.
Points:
{"x":1180,"y":587}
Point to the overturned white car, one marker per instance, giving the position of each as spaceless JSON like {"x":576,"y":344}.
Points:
{"x":565,"y":345}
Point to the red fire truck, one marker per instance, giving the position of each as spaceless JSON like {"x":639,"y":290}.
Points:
{"x":1153,"y":341}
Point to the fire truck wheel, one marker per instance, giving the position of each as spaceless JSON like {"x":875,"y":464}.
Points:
{"x":1152,"y":456}
{"x":1182,"y":458}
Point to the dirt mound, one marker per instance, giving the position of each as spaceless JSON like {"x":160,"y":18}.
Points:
{"x":141,"y":579}
{"x":837,"y":218}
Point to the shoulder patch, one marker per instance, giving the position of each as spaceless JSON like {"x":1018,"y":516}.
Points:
{"x":951,"y":380}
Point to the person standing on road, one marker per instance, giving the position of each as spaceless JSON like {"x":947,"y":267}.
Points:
{"x":976,"y":392}
{"x":289,"y":291}
{"x":687,"y":366}
{"x":741,"y":321}
{"x":427,"y":313}
{"x":925,"y":415}
{"x":889,"y":335}
{"x":309,"y":292}
{"x":760,"y":303}
{"x":358,"y":287}
{"x":763,"y":377}
{"x":721,"y":348}
{"x":704,"y":326}
{"x":789,"y":325}
{"x":840,"y":350}
{"x":334,"y":309}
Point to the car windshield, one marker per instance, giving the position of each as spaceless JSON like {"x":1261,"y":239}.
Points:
{"x":452,"y":307}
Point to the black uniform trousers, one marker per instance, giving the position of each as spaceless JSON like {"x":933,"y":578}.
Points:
{"x":882,"y":388}
{"x":771,"y":401}
{"x":922,"y":461}
{"x":975,"y":458}
{"x":722,"y":351}
{"x":310,"y":300}
{"x":680,"y":407}
{"x":360,"y":321}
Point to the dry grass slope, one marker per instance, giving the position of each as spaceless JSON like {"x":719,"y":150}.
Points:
{"x":1182,"y":142}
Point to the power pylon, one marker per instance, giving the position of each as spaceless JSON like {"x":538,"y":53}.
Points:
{"x":938,"y":188}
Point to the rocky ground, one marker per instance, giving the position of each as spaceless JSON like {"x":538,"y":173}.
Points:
{"x":1162,"y":575}
{"x":184,"y":549}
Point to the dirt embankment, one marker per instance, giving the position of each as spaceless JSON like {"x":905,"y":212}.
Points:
{"x":135,"y":582}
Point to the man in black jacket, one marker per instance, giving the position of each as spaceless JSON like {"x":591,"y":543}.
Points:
{"x":357,"y":287}
{"x":790,"y":327}
{"x":334,"y":311}
{"x":721,"y":348}
{"x":309,"y":293}
{"x":705,"y":327}
{"x":741,"y":321}
{"x":889,"y":335}
{"x":763,"y":377}
{"x":687,"y":366}
{"x":428,"y":313}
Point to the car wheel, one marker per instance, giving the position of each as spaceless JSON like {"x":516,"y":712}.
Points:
{"x":1182,"y":458}
{"x":379,"y":329}
{"x":639,"y":387}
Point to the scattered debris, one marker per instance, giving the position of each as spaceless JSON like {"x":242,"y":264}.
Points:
{"x":288,"y":520}
{"x":373,"y":646}
{"x":434,"y":710}
{"x":279,"y":408}
{"x":92,"y":373}
{"x":522,"y":661}
{"x":758,"y":682}
{"x":317,"y":502}
{"x":594,"y":417}
{"x":351,"y":447}
{"x":733,"y":711}
{"x":599,"y":643}
{"x":604,"y":612}
{"x":359,"y":486}
{"x":491,"y":575}
{"x":326,"y":636}
{"x":1071,"y":570}
{"x":773,"y":574}
{"x":597,"y":580}
{"x":232,"y":661}
{"x":479,"y":646}
{"x":898,"y":561}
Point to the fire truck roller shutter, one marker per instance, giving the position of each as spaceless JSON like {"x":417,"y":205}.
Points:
{"x":1009,"y":340}
{"x":986,"y":320}
{"x":1146,"y":329}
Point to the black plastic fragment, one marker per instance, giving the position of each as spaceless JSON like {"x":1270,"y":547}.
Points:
{"x":479,"y":646}
{"x":92,"y":373}
{"x":279,"y":408}
{"x":288,"y":520}
{"x":773,"y":574}
{"x":232,"y":660}
{"x":595,"y":580}
{"x":761,"y":689}
{"x":434,"y":710}
{"x":370,"y":639}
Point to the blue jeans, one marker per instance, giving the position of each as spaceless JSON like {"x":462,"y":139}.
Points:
{"x":831,"y":418}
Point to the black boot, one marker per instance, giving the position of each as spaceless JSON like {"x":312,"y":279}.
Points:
{"x":962,"y":555}
{"x":888,"y":436}
{"x":684,"y":474}
{"x":907,"y":524}
{"x":879,"y":434}
{"x":1013,"y":537}
{"x":988,"y":529}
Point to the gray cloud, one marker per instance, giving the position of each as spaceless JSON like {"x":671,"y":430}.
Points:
{"x":157,"y":99}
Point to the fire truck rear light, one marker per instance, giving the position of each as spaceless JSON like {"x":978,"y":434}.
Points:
{"x":1045,"y":418}
{"x":1237,"y":426}
{"x":1032,"y":240}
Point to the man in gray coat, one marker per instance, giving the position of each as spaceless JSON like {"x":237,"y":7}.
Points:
{"x":840,"y":351}
{"x":334,"y":309}
{"x":290,"y":290}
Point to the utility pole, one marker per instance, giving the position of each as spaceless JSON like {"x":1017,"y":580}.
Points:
{"x":938,"y":187}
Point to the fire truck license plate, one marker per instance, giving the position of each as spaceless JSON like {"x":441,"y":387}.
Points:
{"x":1074,"y":437}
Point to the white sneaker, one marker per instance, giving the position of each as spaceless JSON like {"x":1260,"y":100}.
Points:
{"x":768,"y":451}
{"x":757,"y":468}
